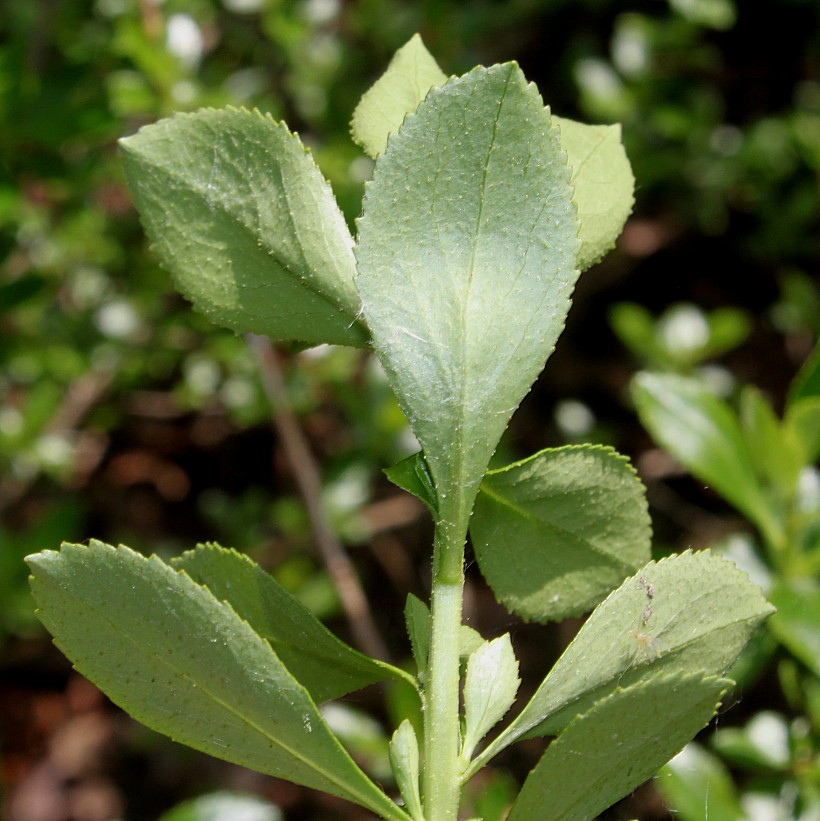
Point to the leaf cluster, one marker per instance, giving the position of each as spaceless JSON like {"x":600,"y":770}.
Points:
{"x":482,"y":211}
{"x":765,"y":467}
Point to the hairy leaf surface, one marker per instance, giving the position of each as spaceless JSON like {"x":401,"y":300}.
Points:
{"x":417,"y":620}
{"x":602,"y":179}
{"x":490,"y":687}
{"x":419,"y":626}
{"x":553,"y":534}
{"x":404,"y":760}
{"x":238,"y":212}
{"x":466,"y":263}
{"x":164,"y":649}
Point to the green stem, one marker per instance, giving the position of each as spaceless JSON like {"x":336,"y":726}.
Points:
{"x":442,"y":782}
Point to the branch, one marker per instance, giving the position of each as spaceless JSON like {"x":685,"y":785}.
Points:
{"x":306,"y":474}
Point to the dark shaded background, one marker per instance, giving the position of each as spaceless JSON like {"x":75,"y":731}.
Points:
{"x":128,"y":418}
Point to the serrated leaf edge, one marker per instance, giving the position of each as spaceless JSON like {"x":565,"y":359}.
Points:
{"x":389,"y":670}
{"x":587,"y":448}
{"x":513,"y":731}
{"x":165,"y":567}
{"x":308,"y":282}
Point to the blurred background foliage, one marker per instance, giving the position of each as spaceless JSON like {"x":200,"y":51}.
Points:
{"x":127,"y":417}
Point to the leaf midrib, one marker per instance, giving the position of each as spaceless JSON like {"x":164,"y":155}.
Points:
{"x":531,"y":517}
{"x":518,"y":727}
{"x":679,"y":648}
{"x":458,"y":470}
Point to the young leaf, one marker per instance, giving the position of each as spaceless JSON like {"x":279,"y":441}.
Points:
{"x":728,"y":328}
{"x":466,"y":262}
{"x":603,"y":185}
{"x":553,"y":534}
{"x":620,"y":743}
{"x":601,"y":174}
{"x":773,"y":447}
{"x":807,"y":382}
{"x":404,"y":758}
{"x":411,"y":74}
{"x":469,"y":640}
{"x":702,"y":433}
{"x":413,"y":475}
{"x":803,"y":421}
{"x":489,"y":690}
{"x":327,"y":667}
{"x":691,"y":612}
{"x":634,"y":325}
{"x":417,"y":619}
{"x":239,"y":214}
{"x":164,"y":649}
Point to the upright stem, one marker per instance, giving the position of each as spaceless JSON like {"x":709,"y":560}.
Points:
{"x":442,"y":785}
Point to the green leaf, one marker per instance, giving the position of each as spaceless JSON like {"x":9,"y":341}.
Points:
{"x":239,"y":214}
{"x":762,"y":744}
{"x":167,"y":651}
{"x":774,"y":449}
{"x":601,"y":174}
{"x":413,"y":475}
{"x":797,"y":620}
{"x":362,"y":735}
{"x":469,"y":640}
{"x":702,"y":433}
{"x":404,"y":757}
{"x":807,"y":382}
{"x":492,"y":795}
{"x":553,"y":534}
{"x":490,"y":687}
{"x":635,"y":327}
{"x":603,"y":183}
{"x":466,"y":264}
{"x":695,"y":782}
{"x":620,"y":743}
{"x":411,"y":74}
{"x":224,"y":806}
{"x":728,"y":328}
{"x":691,"y":612}
{"x":803,"y":421}
{"x":417,"y":619}
{"x":327,"y":667}
{"x":716,"y":14}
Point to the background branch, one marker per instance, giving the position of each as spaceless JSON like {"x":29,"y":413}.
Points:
{"x":306,"y":473}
